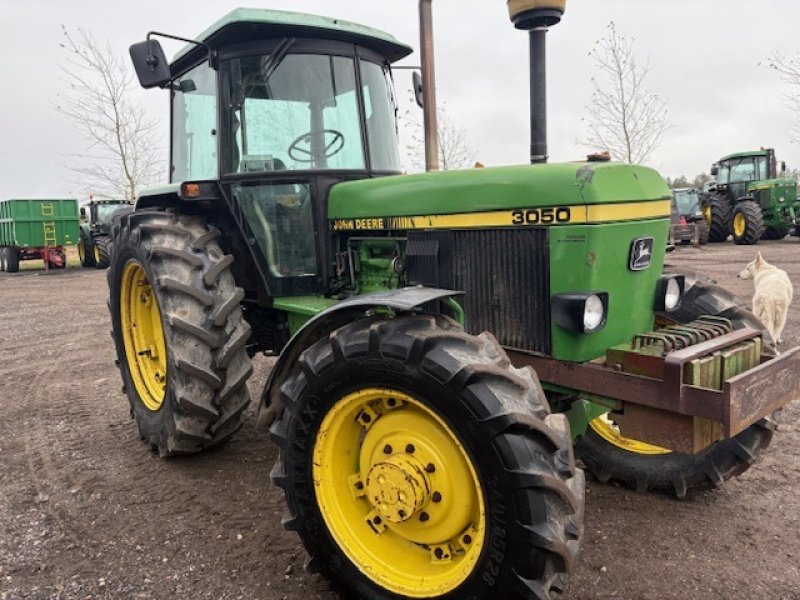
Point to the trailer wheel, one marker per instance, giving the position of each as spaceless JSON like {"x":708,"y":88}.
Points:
{"x":2,"y":258}
{"x":102,"y":251}
{"x":702,"y":232}
{"x":775,"y":233}
{"x":717,"y":213}
{"x":12,"y":259}
{"x":748,"y":223}
{"x":179,"y":332}
{"x":85,"y":251}
{"x":611,"y":456}
{"x":416,"y":462}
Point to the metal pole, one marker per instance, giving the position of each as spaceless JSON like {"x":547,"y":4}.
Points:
{"x":538,"y":95}
{"x":429,"y":86}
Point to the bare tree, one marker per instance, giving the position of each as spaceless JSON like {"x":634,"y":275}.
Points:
{"x":123,"y":152}
{"x":624,"y":118}
{"x":788,"y":67}
{"x":454,"y":149}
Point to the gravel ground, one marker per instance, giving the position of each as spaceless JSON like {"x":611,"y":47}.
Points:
{"x":87,"y":511}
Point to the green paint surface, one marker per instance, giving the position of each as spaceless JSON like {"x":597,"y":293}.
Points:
{"x":588,"y":258}
{"x":302,"y":308}
{"x":499,"y":188}
{"x":38,"y":223}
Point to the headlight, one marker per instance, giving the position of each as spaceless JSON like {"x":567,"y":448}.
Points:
{"x":593,"y":313}
{"x":583,"y":312}
{"x":669,"y":292}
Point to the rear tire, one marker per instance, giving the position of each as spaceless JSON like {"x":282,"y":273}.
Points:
{"x":525,"y":542}
{"x":102,"y":251}
{"x":748,"y":223}
{"x":717,"y":212}
{"x":677,"y":473}
{"x":176,"y":261}
{"x":2,"y":259}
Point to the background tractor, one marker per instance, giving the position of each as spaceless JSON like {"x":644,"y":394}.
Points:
{"x":749,"y":200}
{"x":94,"y":246}
{"x":688,"y":224}
{"x":419,"y":455}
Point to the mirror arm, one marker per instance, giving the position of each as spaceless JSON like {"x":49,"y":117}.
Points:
{"x":212,"y":56}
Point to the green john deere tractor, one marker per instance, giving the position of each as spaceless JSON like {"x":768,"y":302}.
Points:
{"x":420,"y":457}
{"x":94,"y":245}
{"x":749,"y":200}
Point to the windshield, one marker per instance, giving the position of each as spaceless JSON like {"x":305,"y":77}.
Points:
{"x":303,"y":112}
{"x":751,"y":168}
{"x":688,"y":202}
{"x":106,"y":211}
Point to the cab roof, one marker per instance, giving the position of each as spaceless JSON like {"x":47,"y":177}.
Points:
{"x":762,"y":152}
{"x":247,"y":24}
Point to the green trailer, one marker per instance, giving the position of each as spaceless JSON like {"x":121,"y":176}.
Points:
{"x":37,"y":229}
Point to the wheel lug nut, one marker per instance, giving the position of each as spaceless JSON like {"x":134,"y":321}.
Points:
{"x":387,"y":449}
{"x":410,"y":449}
{"x":359,"y":485}
{"x":437,"y":497}
{"x":431,"y":468}
{"x":424,"y":517}
{"x":377,"y":520}
{"x":467,"y":539}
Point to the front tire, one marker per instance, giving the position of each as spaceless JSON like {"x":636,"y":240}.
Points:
{"x":179,"y":332}
{"x":776,"y":233}
{"x":610,"y":456}
{"x":102,"y":251}
{"x":417,"y":462}
{"x":85,"y":251}
{"x":717,"y":213}
{"x":748,"y":223}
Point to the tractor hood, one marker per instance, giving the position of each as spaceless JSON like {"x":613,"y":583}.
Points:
{"x":574,"y":186}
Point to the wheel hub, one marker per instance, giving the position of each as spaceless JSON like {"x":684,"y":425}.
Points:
{"x":397,"y":488}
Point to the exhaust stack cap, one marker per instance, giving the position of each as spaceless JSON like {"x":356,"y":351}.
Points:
{"x":533,"y":14}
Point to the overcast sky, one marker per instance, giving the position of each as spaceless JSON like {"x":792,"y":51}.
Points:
{"x":705,"y":53}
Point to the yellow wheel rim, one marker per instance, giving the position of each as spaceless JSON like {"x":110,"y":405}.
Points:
{"x":96,"y":254}
{"x":82,"y":251}
{"x":707,"y":214}
{"x":739,"y":224}
{"x":398,"y":493}
{"x":606,"y":429}
{"x":143,"y":336}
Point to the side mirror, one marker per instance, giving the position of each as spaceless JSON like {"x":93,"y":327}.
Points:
{"x":714,"y":170}
{"x":83,"y":212}
{"x":416,"y":79}
{"x":783,"y":166}
{"x":152,"y":67}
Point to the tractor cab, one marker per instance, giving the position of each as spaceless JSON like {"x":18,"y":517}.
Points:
{"x":275,"y":108}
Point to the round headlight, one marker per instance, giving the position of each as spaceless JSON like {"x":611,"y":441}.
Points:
{"x":593,"y":313}
{"x":672,"y":295}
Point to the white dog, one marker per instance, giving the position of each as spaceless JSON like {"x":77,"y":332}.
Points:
{"x":772,"y":297}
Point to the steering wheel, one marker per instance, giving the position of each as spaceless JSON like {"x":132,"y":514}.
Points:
{"x":305,"y":155}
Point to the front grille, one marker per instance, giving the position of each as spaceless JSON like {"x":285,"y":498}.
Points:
{"x":504,"y":272}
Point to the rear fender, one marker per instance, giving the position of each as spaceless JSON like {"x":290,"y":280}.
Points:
{"x":403,"y":300}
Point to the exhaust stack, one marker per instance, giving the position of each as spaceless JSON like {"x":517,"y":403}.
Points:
{"x":429,"y":86}
{"x":536,"y":17}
